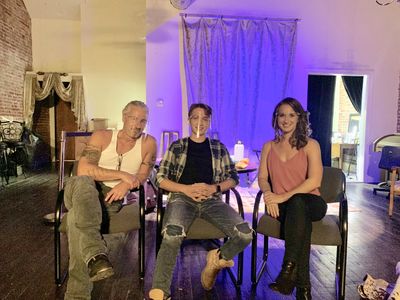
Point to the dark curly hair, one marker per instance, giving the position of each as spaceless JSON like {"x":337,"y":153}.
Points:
{"x":302,"y":132}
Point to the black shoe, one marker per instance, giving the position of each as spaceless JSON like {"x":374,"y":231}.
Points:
{"x":100,"y":268}
{"x":284,"y":283}
{"x":303,"y":293}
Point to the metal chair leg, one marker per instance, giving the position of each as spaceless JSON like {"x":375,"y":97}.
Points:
{"x":142,"y":232}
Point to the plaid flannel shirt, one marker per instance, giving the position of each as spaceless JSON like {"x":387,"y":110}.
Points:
{"x":174,"y":160}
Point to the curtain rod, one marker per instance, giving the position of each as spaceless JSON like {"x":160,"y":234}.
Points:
{"x":238,"y":17}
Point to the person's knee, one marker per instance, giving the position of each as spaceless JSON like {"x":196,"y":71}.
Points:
{"x":244,"y":232}
{"x":80,"y":191}
{"x":79,"y":185}
{"x":82,"y":182}
{"x":173,"y":231}
{"x":297,"y":201}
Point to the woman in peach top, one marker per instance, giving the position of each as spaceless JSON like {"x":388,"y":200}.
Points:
{"x":292,"y":163}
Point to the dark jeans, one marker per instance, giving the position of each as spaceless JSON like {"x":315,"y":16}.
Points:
{"x":296,"y":216}
{"x":180,"y":213}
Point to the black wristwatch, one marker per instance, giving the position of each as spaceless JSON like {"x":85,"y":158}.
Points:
{"x":218,"y":189}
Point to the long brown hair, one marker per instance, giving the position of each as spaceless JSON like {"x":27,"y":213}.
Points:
{"x":300,"y":135}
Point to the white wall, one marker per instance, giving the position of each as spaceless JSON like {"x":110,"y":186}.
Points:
{"x":107,"y":46}
{"x":162,"y":68}
{"x":56,"y":45}
{"x":353,"y":37}
{"x":113,"y":56}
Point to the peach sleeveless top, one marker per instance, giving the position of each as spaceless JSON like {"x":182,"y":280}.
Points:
{"x":287,"y":175}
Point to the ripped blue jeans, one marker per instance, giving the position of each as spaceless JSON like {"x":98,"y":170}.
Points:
{"x":180,"y":213}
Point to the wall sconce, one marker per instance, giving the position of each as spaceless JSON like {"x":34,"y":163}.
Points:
{"x":160,"y":102}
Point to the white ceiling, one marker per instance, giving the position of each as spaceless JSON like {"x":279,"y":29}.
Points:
{"x":54,"y":9}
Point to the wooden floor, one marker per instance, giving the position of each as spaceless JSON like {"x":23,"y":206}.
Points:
{"x":26,"y":251}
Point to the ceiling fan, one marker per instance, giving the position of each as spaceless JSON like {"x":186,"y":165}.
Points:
{"x":181,"y":4}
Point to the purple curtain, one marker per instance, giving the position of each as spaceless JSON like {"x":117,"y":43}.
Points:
{"x":241,"y":68}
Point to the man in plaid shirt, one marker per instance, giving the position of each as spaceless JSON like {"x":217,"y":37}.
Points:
{"x":196,"y":170}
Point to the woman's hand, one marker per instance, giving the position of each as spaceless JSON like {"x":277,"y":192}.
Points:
{"x":272,"y":198}
{"x":117,"y":192}
{"x":273,"y":210}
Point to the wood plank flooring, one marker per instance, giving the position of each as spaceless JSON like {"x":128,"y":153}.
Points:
{"x":26,"y":251}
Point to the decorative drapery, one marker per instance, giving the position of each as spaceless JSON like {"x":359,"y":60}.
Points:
{"x":321,"y":96}
{"x":73,"y":93}
{"x":354,"y":86}
{"x":242,"y":68}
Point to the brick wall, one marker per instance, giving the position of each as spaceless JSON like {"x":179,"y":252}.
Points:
{"x":346,"y":108}
{"x":15,"y":56}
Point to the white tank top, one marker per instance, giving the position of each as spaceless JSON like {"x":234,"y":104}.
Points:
{"x":128,"y":162}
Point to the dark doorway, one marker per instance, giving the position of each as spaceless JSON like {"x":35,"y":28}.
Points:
{"x":335,"y":105}
{"x":47,"y":110}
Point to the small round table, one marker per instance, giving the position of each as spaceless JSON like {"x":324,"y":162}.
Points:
{"x":249,"y":169}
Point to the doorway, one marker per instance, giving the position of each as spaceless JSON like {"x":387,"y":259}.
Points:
{"x":51,"y":116}
{"x":334,"y":102}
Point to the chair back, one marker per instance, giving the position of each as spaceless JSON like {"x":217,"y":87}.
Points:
{"x":333,"y":184}
{"x":63,"y":140}
{"x":390,"y":157}
{"x":212,"y":134}
{"x":167,"y":137}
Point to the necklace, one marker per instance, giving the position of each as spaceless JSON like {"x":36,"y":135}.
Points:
{"x":120,"y":157}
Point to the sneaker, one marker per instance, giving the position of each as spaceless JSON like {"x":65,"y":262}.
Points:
{"x":100,"y":268}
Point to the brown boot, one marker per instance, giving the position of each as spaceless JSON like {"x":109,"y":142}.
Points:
{"x":213,"y":266}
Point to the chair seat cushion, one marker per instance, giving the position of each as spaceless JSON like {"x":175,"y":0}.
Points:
{"x":125,"y":220}
{"x":201,"y":230}
{"x":325,"y":231}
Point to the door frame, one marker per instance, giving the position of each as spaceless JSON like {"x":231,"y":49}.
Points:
{"x":365,"y":103}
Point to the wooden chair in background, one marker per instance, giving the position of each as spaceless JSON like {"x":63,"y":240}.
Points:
{"x":394,"y":188}
{"x":167,"y":137}
{"x":390,"y":158}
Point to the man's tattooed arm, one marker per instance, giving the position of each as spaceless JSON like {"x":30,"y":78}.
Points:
{"x":150,"y":163}
{"x":149,"y":159}
{"x":88,"y":165}
{"x":92,"y":154}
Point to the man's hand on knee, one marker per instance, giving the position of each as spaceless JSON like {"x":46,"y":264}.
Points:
{"x":117,"y":192}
